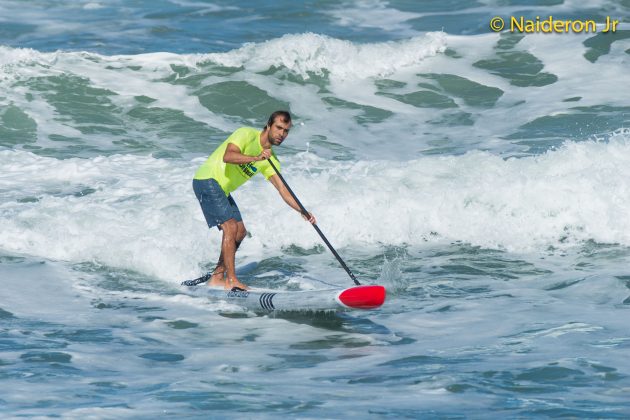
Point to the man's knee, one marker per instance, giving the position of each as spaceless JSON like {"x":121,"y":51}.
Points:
{"x":230,"y":228}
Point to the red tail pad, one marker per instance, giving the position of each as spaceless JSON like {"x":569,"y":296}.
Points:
{"x":363,"y":297}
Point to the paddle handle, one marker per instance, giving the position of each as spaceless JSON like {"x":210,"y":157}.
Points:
{"x":305,"y":212}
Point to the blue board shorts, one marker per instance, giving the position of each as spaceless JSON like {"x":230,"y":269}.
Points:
{"x":216,"y":207}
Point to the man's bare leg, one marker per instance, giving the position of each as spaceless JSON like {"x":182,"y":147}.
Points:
{"x":218,"y":274}
{"x":233,"y":234}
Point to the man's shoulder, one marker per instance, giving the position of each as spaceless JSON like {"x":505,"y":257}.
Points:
{"x":246,"y":132}
{"x":243,"y":136}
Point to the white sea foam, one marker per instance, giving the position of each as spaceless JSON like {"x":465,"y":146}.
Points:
{"x":142,"y":213}
{"x":318,"y":54}
{"x":93,"y":6}
{"x":14,"y":56}
{"x":204,"y":7}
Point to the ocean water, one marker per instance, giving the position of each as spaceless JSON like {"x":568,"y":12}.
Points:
{"x":483,"y":178}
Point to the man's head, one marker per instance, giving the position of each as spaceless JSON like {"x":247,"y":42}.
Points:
{"x":278,"y":127}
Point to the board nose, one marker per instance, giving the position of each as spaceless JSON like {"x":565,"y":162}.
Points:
{"x":363,"y":297}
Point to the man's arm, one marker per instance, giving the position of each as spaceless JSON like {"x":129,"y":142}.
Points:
{"x":233,"y":155}
{"x":286,"y":196}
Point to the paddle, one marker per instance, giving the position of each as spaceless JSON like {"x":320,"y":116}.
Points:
{"x":305,"y":213}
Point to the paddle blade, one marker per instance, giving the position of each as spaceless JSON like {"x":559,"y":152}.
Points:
{"x":363,"y":297}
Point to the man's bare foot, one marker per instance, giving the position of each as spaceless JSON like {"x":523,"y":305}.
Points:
{"x":234,"y":282}
{"x":217,"y":279}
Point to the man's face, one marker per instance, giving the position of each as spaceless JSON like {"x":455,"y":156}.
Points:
{"x":278,"y":131}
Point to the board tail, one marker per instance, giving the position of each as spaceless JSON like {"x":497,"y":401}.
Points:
{"x":363,"y":297}
{"x":197,"y":281}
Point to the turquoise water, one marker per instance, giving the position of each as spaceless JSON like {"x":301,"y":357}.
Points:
{"x":481,"y":177}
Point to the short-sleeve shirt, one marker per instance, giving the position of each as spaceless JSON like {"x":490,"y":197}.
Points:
{"x":230,"y":176}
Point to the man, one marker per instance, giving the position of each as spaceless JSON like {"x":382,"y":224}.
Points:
{"x":244,"y":154}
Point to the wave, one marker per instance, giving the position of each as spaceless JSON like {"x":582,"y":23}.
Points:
{"x":303,"y":54}
{"x":318,"y":54}
{"x":139,"y":212}
{"x":349,"y":96}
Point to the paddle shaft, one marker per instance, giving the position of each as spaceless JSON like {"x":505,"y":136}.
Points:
{"x":305,"y":212}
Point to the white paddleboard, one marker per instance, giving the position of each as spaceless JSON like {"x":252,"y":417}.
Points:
{"x":358,"y":297}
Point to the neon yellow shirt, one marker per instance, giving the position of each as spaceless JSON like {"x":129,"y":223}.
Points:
{"x":230,"y":176}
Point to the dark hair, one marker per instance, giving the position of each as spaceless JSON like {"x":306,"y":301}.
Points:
{"x":286,"y":117}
